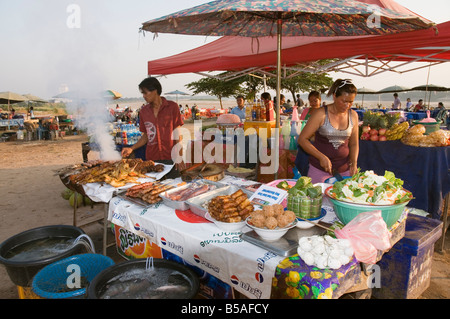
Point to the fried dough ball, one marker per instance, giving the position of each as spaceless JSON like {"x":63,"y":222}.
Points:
{"x":271,"y":222}
{"x":286,"y":218}
{"x":258,"y":220}
{"x":268,"y":211}
{"x":278,"y":209}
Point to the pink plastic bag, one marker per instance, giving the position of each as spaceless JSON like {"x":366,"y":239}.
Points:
{"x":367,"y":234}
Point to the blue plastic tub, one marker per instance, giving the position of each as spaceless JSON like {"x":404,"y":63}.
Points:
{"x":51,"y":281}
{"x":406,"y":268}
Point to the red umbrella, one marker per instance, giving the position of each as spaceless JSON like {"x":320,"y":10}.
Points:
{"x":326,"y":18}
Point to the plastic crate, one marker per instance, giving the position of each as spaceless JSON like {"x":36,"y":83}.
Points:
{"x":406,"y":268}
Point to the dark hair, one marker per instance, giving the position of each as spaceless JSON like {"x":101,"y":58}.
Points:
{"x":395,"y":94}
{"x":316,"y":94}
{"x":151,"y":84}
{"x":342,"y":86}
{"x":266,"y":96}
{"x":240,"y":97}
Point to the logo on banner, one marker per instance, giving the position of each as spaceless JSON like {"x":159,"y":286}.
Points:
{"x":246,"y":286}
{"x":259,"y":277}
{"x":172,"y":245}
{"x":205,"y":263}
{"x":137,"y":226}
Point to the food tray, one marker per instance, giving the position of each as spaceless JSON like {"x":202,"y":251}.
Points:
{"x":183,"y":205}
{"x":197,"y":204}
{"x":286,"y":245}
{"x":134,"y":200}
{"x":138,"y":201}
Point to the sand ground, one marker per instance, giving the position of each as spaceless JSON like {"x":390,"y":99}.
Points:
{"x":31,"y":197}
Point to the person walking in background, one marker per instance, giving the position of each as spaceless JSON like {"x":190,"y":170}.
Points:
{"x":397,"y":103}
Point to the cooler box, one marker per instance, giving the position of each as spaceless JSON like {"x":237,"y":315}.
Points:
{"x":406,"y":269}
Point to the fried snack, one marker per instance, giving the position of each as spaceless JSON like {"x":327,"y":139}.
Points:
{"x":271,"y":217}
{"x":117,"y":174}
{"x":268,"y":211}
{"x":285,"y":218}
{"x":271,"y":222}
{"x":148,"y":192}
{"x":230,"y":208}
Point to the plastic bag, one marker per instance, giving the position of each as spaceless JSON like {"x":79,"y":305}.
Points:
{"x":367,"y":233}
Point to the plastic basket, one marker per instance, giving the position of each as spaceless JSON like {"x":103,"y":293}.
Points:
{"x":51,"y":281}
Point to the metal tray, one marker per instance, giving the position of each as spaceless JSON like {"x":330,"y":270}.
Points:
{"x":134,"y":200}
{"x":286,"y":245}
{"x":196,"y":204}
{"x":183,"y":205}
{"x":138,"y":201}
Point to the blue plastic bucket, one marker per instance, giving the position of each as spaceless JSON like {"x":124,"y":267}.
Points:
{"x":51,"y":281}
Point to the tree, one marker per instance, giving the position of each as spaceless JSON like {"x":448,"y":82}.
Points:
{"x":216,"y":87}
{"x":303,"y":82}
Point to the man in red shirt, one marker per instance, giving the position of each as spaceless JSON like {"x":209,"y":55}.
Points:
{"x":157,"y":120}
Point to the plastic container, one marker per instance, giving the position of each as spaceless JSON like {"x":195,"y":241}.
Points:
{"x":51,"y":281}
{"x":21,"y":273}
{"x":429,"y":127}
{"x":345,"y":211}
{"x":406,"y":269}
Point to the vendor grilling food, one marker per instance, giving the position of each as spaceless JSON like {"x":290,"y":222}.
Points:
{"x":158,"y":119}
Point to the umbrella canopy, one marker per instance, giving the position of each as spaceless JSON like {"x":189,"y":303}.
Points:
{"x":364,"y":90}
{"x":430,"y":87}
{"x":299,"y":17}
{"x":176,"y":92}
{"x":393,"y":89}
{"x":11,"y":97}
{"x":326,"y":18}
{"x":110,"y":94}
{"x":78,"y":95}
{"x":34,"y":98}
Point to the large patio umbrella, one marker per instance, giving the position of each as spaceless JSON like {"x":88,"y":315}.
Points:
{"x":393,"y":89}
{"x":430,"y":88}
{"x":325,"y":18}
{"x":34,"y":98}
{"x":176,"y":93}
{"x":11,"y":98}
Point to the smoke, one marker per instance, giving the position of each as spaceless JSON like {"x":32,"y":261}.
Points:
{"x":81,"y":61}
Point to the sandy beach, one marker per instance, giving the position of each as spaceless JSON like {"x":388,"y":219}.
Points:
{"x":31,"y":197}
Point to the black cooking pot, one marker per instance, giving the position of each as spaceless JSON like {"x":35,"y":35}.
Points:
{"x":97,"y":286}
{"x":21,"y":273}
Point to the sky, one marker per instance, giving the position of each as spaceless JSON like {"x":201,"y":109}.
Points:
{"x":51,"y":44}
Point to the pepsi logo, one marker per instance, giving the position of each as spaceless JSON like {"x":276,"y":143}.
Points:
{"x":259,"y":277}
{"x":137,"y":226}
{"x":197,"y":259}
{"x":163,"y":241}
{"x":234,"y":280}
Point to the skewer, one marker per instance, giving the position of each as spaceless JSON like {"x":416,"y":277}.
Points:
{"x":316,"y":224}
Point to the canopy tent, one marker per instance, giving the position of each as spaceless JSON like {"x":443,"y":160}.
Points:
{"x":373,"y":54}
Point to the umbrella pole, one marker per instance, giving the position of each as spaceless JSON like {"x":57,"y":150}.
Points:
{"x":277,"y":106}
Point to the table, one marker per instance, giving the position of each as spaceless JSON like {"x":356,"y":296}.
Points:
{"x":425,"y":170}
{"x":199,"y":243}
{"x":415,"y":115}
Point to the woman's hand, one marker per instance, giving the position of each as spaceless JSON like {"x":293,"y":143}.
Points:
{"x":353,"y":167}
{"x":126,"y":152}
{"x":325,"y":163}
